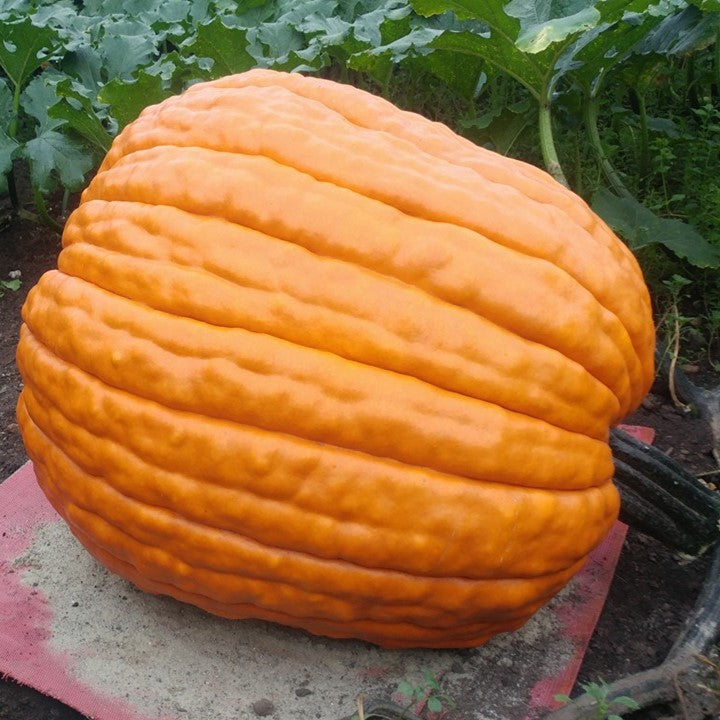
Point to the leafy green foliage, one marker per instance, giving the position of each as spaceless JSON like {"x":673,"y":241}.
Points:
{"x":127,"y":99}
{"x":428,"y":693}
{"x":12,"y":283}
{"x":600,"y":693}
{"x":24,"y":47}
{"x":225,"y":46}
{"x":641,"y":227}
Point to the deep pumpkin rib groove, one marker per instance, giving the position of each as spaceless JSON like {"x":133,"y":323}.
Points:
{"x":409,"y":633}
{"x":374,"y":113}
{"x":266,"y":564}
{"x":615,"y":330}
{"x":187,"y":436}
{"x":423,"y":266}
{"x":255,"y":109}
{"x":382,"y":426}
{"x":467,"y":377}
{"x":140,"y":238}
{"x":347,"y":535}
{"x":295,"y":356}
{"x":401,"y":636}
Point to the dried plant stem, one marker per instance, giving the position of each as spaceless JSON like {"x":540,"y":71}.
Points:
{"x":361,"y":707}
{"x":708,"y":473}
{"x":673,"y":364}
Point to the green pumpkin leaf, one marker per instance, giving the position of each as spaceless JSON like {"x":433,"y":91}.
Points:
{"x":85,"y":64}
{"x":463,"y":75}
{"x":123,"y":54}
{"x":497,"y":49}
{"x":38,"y":96}
{"x":8,"y":146}
{"x":681,"y":32}
{"x":707,"y":5}
{"x":24,"y":47}
{"x":639,"y":227}
{"x":498,"y":35}
{"x":60,"y":15}
{"x":279,"y":39}
{"x":542,"y":24}
{"x":6,"y":104}
{"x":78,"y":113}
{"x":501,"y":129}
{"x":226,"y":47}
{"x":128,"y":99}
{"x":53,"y":153}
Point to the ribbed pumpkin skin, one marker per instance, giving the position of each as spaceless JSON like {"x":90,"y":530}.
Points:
{"x":312,"y":359}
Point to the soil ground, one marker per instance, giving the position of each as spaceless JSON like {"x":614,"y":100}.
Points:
{"x":652,"y":592}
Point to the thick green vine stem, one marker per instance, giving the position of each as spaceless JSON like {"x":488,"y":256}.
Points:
{"x":659,"y":495}
{"x":547,"y":144}
{"x":608,"y":169}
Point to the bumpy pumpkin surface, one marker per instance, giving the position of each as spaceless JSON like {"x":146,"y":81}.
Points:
{"x":310,"y":358}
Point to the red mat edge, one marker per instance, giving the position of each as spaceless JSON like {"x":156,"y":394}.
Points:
{"x":43,"y":669}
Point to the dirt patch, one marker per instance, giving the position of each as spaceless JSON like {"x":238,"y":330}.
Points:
{"x":650,"y":597}
{"x":30,"y":249}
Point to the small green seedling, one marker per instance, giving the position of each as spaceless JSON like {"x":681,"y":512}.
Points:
{"x":12,"y":284}
{"x":428,"y":690}
{"x":599,"y":692}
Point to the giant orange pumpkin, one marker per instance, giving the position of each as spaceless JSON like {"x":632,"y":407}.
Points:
{"x":310,"y":358}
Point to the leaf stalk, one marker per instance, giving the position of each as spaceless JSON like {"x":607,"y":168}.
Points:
{"x":591,"y":126}
{"x":547,"y":143}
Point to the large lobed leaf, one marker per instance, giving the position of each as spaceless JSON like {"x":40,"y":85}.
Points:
{"x":640,"y":227}
{"x":24,"y":47}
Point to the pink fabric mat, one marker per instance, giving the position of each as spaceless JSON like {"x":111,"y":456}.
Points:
{"x":99,"y":661}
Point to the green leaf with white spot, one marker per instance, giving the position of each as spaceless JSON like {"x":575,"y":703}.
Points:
{"x":537,"y":38}
{"x":24,"y":47}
